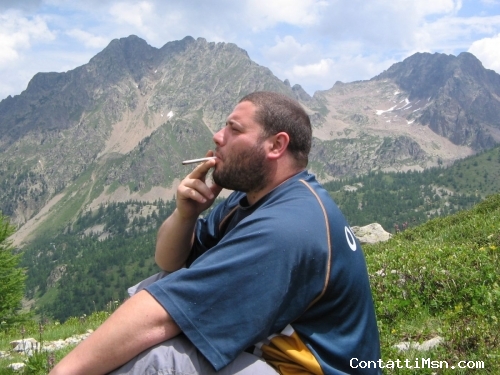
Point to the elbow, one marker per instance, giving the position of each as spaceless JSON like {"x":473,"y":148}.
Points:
{"x":168,"y":266}
{"x":161,"y":263}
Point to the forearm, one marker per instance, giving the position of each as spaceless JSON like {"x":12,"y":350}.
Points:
{"x":140,"y":323}
{"x":174,"y":241}
{"x":175,"y":236}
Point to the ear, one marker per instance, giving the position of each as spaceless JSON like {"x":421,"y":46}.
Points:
{"x":278,"y":144}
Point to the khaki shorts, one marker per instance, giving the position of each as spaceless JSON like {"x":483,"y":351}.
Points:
{"x":178,"y":356}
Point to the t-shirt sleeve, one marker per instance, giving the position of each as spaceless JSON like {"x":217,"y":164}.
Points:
{"x":260,"y":277}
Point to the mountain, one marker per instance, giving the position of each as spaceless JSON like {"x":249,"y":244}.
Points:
{"x":121,"y":123}
{"x":428,"y":109}
{"x":116,"y":128}
{"x":462,"y":99}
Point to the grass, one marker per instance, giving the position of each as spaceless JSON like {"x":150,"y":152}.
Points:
{"x":438,"y":279}
{"x":41,"y":362}
{"x":441,"y":279}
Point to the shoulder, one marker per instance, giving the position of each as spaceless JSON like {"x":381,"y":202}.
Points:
{"x":305,"y":211}
{"x":302,"y":196}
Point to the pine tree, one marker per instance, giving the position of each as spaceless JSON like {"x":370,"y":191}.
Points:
{"x":12,"y":277}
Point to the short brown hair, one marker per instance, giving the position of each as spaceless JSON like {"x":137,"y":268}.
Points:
{"x":279,"y":113}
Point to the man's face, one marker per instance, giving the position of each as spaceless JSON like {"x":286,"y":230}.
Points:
{"x":241,"y":163}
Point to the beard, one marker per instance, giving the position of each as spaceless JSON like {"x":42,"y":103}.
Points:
{"x":245,"y":171}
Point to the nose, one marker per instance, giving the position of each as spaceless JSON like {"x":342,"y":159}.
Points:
{"x":218,"y":137}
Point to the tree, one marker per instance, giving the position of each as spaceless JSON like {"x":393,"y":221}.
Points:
{"x":12,"y":277}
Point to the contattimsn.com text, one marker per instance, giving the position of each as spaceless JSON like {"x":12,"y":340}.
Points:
{"x":417,"y":363}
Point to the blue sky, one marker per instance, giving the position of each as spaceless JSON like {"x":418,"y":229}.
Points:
{"x":311,"y":42}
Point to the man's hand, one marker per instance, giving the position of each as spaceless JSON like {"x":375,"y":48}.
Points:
{"x":175,"y":236}
{"x":193,"y":194}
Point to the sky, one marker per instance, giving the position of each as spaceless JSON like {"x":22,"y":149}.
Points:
{"x":313,"y":43}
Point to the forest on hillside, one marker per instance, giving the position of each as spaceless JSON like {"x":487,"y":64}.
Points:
{"x":81,"y":271}
{"x":396,"y":200}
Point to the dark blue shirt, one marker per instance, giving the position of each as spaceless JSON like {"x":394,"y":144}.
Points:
{"x":285,"y":274}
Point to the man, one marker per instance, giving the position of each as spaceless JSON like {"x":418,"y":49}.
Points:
{"x":274,"y":269}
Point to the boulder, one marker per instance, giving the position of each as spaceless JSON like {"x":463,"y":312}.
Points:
{"x":25,"y":346}
{"x":425,"y":346}
{"x":371,"y":233}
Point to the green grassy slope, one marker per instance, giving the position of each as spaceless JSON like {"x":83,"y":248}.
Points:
{"x":442,"y":279}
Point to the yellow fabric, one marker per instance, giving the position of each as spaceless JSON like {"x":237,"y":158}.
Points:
{"x":290,"y":356}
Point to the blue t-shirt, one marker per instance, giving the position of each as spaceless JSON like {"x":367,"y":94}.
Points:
{"x":285,"y":275}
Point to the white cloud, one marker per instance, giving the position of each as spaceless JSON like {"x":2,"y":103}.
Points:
{"x":262,"y":14}
{"x":322,"y":74}
{"x":133,"y":14}
{"x":287,"y":49}
{"x":323,"y":68}
{"x":154,"y":21}
{"x":487,"y":50}
{"x":88,"y":39}
{"x":451,"y":33}
{"x":384,"y":24}
{"x":18,"y":33}
{"x":433,"y":7}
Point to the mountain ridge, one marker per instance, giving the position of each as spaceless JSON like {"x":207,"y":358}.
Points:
{"x":121,"y":103}
{"x":125,"y":120}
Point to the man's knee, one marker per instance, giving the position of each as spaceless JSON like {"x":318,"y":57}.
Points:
{"x":175,"y":356}
{"x":178,"y":356}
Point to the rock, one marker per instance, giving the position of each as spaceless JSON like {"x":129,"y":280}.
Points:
{"x":30,"y":345}
{"x":51,"y":346}
{"x":432,"y":343}
{"x":425,"y":346}
{"x":25,"y":345}
{"x":55,"y":275}
{"x":403,"y":346}
{"x":371,"y":233}
{"x":16,"y":366}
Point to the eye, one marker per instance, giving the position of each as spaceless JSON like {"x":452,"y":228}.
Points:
{"x":234,"y":128}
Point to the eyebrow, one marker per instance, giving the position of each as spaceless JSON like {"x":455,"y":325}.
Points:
{"x":233,"y":122}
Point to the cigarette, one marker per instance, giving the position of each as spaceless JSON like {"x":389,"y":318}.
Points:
{"x":192,"y":161}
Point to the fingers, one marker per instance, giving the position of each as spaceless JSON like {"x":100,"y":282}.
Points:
{"x":200,"y":172}
{"x":195,"y":189}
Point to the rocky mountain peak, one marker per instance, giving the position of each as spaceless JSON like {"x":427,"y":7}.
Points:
{"x":301,"y":94}
{"x":423,"y":74}
{"x":132,"y":55}
{"x":462,"y":98}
